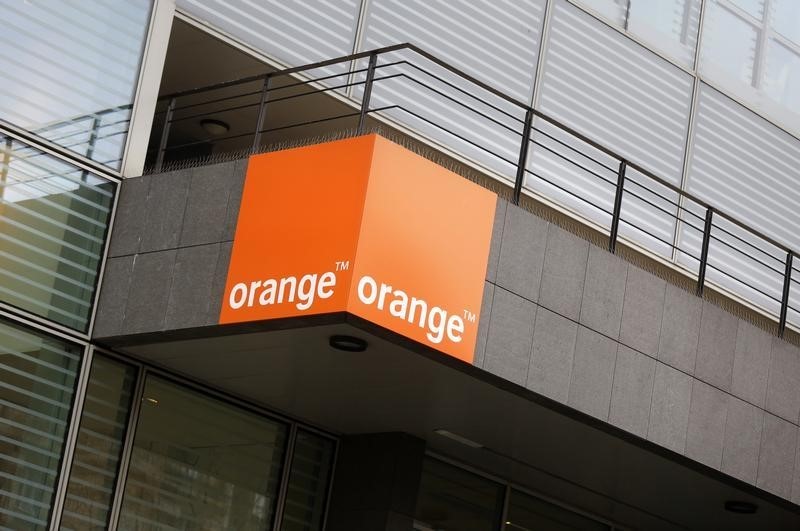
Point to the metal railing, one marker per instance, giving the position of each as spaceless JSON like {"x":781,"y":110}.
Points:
{"x":747,"y":263}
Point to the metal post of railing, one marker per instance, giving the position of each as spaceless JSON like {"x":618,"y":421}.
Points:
{"x":262,"y":112}
{"x":362,"y":118}
{"x":4,"y":165}
{"x":523,"y":156}
{"x":787,"y":282}
{"x":612,"y":239}
{"x":162,"y":145}
{"x":701,"y":273}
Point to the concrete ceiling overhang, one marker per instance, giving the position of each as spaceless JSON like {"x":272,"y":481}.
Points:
{"x":399,"y":385}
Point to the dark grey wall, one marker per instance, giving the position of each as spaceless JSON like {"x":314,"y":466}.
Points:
{"x":567,"y":319}
{"x":169,"y":251}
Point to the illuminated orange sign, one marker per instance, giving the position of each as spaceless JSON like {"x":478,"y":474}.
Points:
{"x":364,"y":226}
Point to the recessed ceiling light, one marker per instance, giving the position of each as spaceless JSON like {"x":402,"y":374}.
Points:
{"x":458,"y":438}
{"x":214,"y":127}
{"x":741,"y":507}
{"x":347,"y":343}
{"x":153,"y":401}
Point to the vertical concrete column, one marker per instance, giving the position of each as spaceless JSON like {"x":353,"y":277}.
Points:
{"x":376,"y":482}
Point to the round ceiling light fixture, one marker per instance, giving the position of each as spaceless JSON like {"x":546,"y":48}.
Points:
{"x":347,"y":343}
{"x":741,"y":507}
{"x":214,"y":127}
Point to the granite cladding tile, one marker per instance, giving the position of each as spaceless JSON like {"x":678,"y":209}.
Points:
{"x":783,"y":391}
{"x":553,"y":349}
{"x":777,"y":456}
{"x":707,"y":415}
{"x":601,"y":306}
{"x":234,"y":199}
{"x":642,"y":311}
{"x":207,"y":204}
{"x":497,"y":239}
{"x":166,"y":204}
{"x":220,"y":278}
{"x":508,"y":342}
{"x":632,"y":394}
{"x":592,"y":373}
{"x":149,"y":292}
{"x":716,"y":346}
{"x":190,"y":296}
{"x":483,"y":324}
{"x":563,"y":272}
{"x":680,"y":329}
{"x":130,"y":217}
{"x":113,"y":297}
{"x":669,"y":415}
{"x":751,"y":363}
{"x":743,"y":427}
{"x":519,"y":269}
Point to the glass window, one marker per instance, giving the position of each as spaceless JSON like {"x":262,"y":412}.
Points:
{"x":70,"y":70}
{"x":53,"y":221}
{"x":37,"y":386}
{"x":786,"y":18}
{"x":527,"y":513}
{"x":312,"y":461}
{"x":201,"y":463}
{"x":752,"y":49}
{"x":100,"y":437}
{"x":669,"y":26}
{"x":452,"y":498}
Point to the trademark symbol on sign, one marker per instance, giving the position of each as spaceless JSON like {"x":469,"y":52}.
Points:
{"x":342,"y":265}
{"x":469,"y":316}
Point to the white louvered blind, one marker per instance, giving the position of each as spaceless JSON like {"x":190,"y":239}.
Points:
{"x":750,"y":169}
{"x":295,"y":33}
{"x":495,"y":42}
{"x":37,"y":386}
{"x":53,"y":223}
{"x":616,"y":91}
{"x":70,"y":70}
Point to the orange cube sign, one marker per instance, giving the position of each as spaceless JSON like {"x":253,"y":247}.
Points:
{"x":363,"y":226}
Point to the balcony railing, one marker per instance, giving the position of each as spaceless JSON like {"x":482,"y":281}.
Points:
{"x":405,"y":86}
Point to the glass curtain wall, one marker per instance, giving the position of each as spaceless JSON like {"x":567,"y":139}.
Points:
{"x":98,"y":451}
{"x":70,"y":70}
{"x":453,"y":498}
{"x":53,"y":224}
{"x":38,"y":376}
{"x":201,"y":463}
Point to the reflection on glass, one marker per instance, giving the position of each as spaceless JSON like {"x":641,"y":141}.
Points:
{"x":668,"y":25}
{"x":782,"y":75}
{"x":526,"y":513}
{"x":452,"y":498}
{"x":99,"y":447}
{"x":786,"y":18}
{"x":614,"y":10}
{"x":38,"y":376}
{"x":729,"y":45}
{"x":202,"y":464}
{"x":53,"y":221}
{"x":311,"y":468}
{"x":70,"y":70}
{"x":753,"y":8}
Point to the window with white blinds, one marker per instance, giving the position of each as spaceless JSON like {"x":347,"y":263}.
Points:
{"x":616,"y":92}
{"x":294,"y":33}
{"x":38,"y":375}
{"x":746,"y":167}
{"x":70,"y":70}
{"x":101,"y":434}
{"x":53,"y":223}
